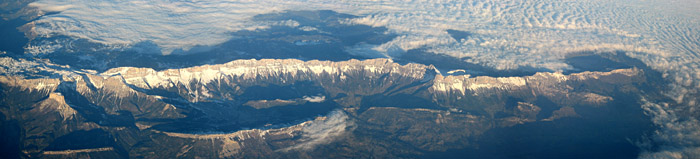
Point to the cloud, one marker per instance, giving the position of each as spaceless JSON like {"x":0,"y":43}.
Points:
{"x":673,"y":153}
{"x":508,"y":34}
{"x":677,"y":136}
{"x":325,"y":131}
{"x":315,"y":99}
{"x":172,"y":25}
{"x":51,"y":8}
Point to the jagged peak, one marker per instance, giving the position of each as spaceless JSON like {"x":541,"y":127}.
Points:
{"x":465,"y":83}
{"x":56,"y":102}
{"x":249,"y":69}
{"x":42,"y":84}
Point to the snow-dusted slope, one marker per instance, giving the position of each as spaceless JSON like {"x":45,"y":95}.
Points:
{"x":271,"y":69}
{"x":144,"y":105}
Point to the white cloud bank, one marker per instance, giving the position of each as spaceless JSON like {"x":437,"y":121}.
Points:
{"x":677,"y":138}
{"x":325,"y":131}
{"x":315,"y":99}
{"x":506,"y":33}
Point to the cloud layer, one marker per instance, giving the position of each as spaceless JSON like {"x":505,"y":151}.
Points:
{"x":323,"y":131}
{"x":678,"y":136}
{"x":315,"y":99}
{"x":507,"y":34}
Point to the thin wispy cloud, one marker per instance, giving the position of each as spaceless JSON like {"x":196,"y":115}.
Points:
{"x":325,"y":131}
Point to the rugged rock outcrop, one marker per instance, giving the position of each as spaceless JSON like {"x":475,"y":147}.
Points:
{"x":233,"y":110}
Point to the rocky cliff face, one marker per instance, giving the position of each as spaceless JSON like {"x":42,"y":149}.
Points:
{"x":224,"y":81}
{"x":359,"y":107}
